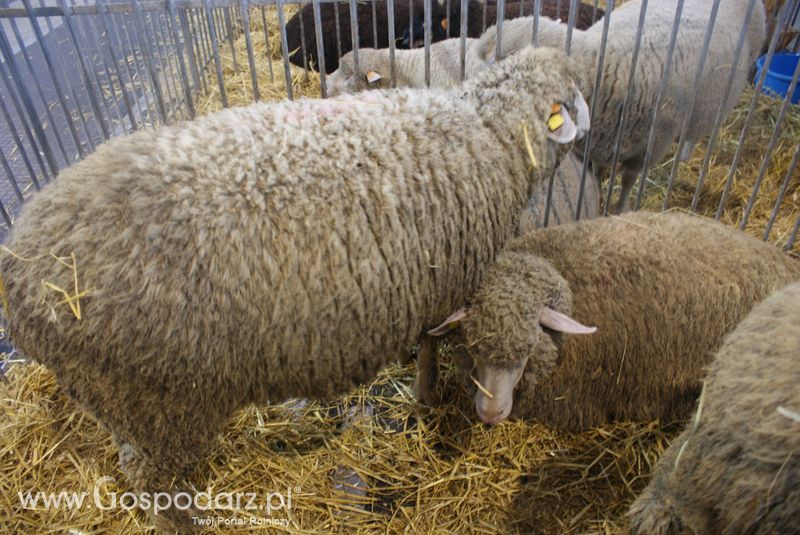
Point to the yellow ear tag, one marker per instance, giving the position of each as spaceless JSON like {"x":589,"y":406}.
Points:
{"x":555,"y":122}
{"x":444,"y":24}
{"x":373,"y":76}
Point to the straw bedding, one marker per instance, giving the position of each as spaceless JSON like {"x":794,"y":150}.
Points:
{"x":424,"y":470}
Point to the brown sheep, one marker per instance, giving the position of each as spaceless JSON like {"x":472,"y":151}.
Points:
{"x":736,"y":468}
{"x":273,"y":251}
{"x":662,"y":290}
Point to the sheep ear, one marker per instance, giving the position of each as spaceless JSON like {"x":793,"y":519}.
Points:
{"x":373,"y":76}
{"x":444,"y":24}
{"x":450,"y":323}
{"x":582,"y":119}
{"x":563,"y":323}
{"x":560,"y":126}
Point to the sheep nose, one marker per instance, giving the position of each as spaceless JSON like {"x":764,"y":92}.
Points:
{"x":492,"y":416}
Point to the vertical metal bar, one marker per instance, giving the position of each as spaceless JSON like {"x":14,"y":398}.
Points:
{"x":573,"y":9}
{"x":93,"y":70}
{"x":623,"y":108}
{"x":303,"y":46}
{"x":463,"y":36}
{"x":27,"y":103}
{"x":661,"y":88}
{"x":595,"y":95}
{"x":447,"y":19}
{"x":226,"y":12}
{"x":320,"y":47}
{"x":485,"y":16}
{"x":62,"y":63}
{"x":338,"y":29}
{"x":782,"y":192}
{"x":251,"y":60}
{"x":354,"y":33}
{"x":720,"y":115}
{"x":180,"y":45}
{"x":17,"y":138}
{"x":93,"y":101}
{"x":793,"y":235}
{"x":747,"y":122}
{"x":787,"y":100}
{"x":411,"y":37}
{"x":594,"y":11}
{"x":375,"y":24}
{"x":147,"y":53}
{"x":266,"y":43}
{"x":537,"y":12}
{"x":698,"y":78}
{"x":392,"y":37}
{"x":215,"y":47}
{"x":170,"y":51}
{"x":154,"y":43}
{"x":125,"y":96}
{"x":426,"y":34}
{"x":189,"y":38}
{"x":202,"y":43}
{"x":501,"y":14}
{"x":149,"y":110}
{"x":38,"y":84}
{"x":5,"y":215}
{"x":11,"y":178}
{"x":285,"y":51}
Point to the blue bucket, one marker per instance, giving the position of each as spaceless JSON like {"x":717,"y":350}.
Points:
{"x":779,"y":75}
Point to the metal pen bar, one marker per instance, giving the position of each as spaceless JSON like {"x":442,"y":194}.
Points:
{"x":411,"y":38}
{"x":5,"y":215}
{"x":150,"y":69}
{"x":285,"y":51}
{"x":154,"y":42}
{"x":320,"y":47}
{"x":793,"y":235}
{"x":573,"y":9}
{"x":38,"y":84}
{"x":85,"y":70}
{"x":747,"y":122}
{"x":661,"y":88}
{"x":94,"y":41}
{"x":229,"y":28}
{"x":537,"y":11}
{"x":203,"y":54}
{"x":11,"y":178}
{"x":338,"y":30}
{"x":375,"y":24}
{"x":180,"y":44}
{"x":463,"y":37}
{"x":251,"y":60}
{"x":303,"y":47}
{"x":392,"y":40}
{"x":485,"y":20}
{"x":125,"y":97}
{"x":62,"y":63}
{"x":720,"y":115}
{"x":698,"y":78}
{"x":169,"y":51}
{"x":266,"y":44}
{"x":20,"y":145}
{"x":601,"y":58}
{"x":782,"y":193}
{"x":150,"y":108}
{"x":594,"y":11}
{"x":426,"y":35}
{"x":623,"y":108}
{"x":27,"y":103}
{"x":501,"y":15}
{"x":354,"y":33}
{"x":186,"y":34}
{"x":447,"y":20}
{"x":223,"y":95}
{"x":773,"y":141}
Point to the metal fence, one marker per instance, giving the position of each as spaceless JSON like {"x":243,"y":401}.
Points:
{"x":75,"y":74}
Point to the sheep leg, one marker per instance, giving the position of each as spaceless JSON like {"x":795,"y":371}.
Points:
{"x":427,"y":372}
{"x":629,"y":175}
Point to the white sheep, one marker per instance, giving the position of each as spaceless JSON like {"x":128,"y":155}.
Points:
{"x":273,"y":251}
{"x":623,"y":26}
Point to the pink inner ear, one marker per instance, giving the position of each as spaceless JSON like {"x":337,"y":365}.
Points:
{"x":445,"y":326}
{"x":563,"y":323}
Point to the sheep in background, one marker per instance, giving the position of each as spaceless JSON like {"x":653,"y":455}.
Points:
{"x":623,"y":26}
{"x":258,"y":254}
{"x":585,"y":16}
{"x":662,"y":291}
{"x":736,"y":467}
{"x":366,"y":31}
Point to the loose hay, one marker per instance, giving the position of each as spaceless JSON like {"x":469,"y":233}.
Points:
{"x":426,"y":470}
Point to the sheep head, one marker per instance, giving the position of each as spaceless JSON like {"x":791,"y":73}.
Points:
{"x":513,"y":327}
{"x":373,"y":73}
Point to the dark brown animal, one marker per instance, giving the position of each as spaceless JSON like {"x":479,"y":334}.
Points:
{"x":736,"y":468}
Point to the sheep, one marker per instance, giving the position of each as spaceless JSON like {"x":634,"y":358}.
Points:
{"x":585,"y":16}
{"x":736,"y":467}
{"x":623,"y":26}
{"x":275,"y":251}
{"x":661,"y":289}
{"x":304,"y":19}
